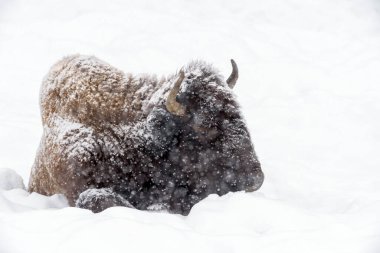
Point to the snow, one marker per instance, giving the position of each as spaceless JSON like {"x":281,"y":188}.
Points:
{"x":309,"y":89}
{"x":9,"y":180}
{"x":14,"y":198}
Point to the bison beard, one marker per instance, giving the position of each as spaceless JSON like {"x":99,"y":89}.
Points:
{"x":112,"y":139}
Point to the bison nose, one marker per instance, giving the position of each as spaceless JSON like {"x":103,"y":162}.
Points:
{"x":257,"y":182}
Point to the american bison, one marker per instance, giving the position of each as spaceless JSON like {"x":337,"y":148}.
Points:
{"x":115,"y":139}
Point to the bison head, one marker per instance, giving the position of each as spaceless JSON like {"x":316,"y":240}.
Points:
{"x":207,"y":144}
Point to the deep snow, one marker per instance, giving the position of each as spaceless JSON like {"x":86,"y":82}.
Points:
{"x":309,"y":89}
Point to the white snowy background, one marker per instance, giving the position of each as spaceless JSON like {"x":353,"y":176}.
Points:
{"x":309,"y":88}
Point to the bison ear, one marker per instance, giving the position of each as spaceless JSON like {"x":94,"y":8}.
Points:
{"x":231,"y":81}
{"x":171,"y":103}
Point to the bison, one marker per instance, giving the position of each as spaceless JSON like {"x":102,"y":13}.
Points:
{"x":115,"y":139}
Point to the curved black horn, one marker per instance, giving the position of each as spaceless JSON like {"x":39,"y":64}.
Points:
{"x":171,"y":103}
{"x":231,"y":81}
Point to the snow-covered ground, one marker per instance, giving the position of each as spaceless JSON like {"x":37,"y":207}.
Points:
{"x":309,"y":87}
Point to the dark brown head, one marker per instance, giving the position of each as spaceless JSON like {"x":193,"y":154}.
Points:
{"x":211,"y":151}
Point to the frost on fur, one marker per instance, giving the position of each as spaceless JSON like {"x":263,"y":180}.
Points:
{"x":98,"y":200}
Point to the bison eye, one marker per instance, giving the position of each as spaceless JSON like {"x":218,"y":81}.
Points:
{"x":205,"y":133}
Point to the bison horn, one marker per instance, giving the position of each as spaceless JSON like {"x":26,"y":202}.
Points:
{"x":231,"y":81}
{"x":171,"y":103}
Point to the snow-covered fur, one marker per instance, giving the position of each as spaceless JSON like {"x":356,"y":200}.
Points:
{"x":112,"y":133}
